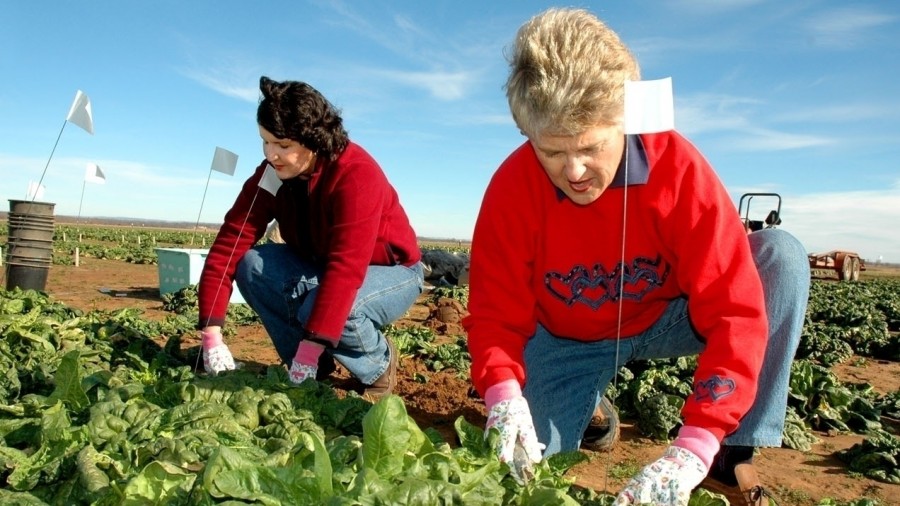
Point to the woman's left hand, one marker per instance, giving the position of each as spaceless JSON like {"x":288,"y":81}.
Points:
{"x":305,"y":363}
{"x":301,"y":372}
{"x":667,"y":482}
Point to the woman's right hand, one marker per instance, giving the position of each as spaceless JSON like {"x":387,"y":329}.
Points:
{"x":216,"y":355}
{"x":517,"y":444}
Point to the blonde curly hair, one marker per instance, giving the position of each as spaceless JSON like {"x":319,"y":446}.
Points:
{"x":567,"y":73}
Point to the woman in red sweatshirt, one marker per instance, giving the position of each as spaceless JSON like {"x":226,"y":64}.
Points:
{"x":593,"y":248}
{"x":349,"y":263}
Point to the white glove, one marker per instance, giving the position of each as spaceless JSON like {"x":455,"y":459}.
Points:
{"x":300,"y":372}
{"x":666,"y":482}
{"x":217,"y":359}
{"x":517,"y":445}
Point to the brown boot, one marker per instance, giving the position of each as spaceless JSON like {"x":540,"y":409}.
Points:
{"x":603,"y":430}
{"x":748,"y":491}
{"x":388,"y":380}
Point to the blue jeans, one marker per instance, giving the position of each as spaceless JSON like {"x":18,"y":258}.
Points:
{"x":282,"y":288}
{"x":566,"y":378}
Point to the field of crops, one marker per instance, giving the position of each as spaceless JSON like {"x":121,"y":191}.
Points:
{"x":100,"y":403}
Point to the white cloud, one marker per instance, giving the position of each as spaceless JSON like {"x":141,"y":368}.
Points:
{"x":763,"y":139}
{"x":490,"y":119}
{"x":226,"y":85}
{"x":840,"y":113}
{"x":733,"y":118}
{"x":441,"y":85}
{"x":846,"y":27}
{"x":861,"y":221}
{"x":397,"y":33}
{"x":707,"y":112}
{"x":407,"y":25}
{"x":229,"y":72}
{"x":717,"y":6}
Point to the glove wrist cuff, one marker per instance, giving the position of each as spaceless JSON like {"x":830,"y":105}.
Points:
{"x":308,"y":353}
{"x":698,"y":441}
{"x":503,"y":391}
{"x":209,"y":340}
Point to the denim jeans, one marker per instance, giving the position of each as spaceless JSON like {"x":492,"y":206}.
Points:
{"x":566,"y":378}
{"x":282,"y":289}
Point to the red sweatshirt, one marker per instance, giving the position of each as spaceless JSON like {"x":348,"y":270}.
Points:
{"x":346,"y":217}
{"x":537,"y":257}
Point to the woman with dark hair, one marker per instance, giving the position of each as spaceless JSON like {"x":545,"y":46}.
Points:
{"x":349,"y":263}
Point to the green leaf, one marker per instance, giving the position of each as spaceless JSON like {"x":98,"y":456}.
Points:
{"x":703,"y":497}
{"x":322,"y":464}
{"x":387,"y":436}
{"x":68,"y":383}
{"x":159,"y":483}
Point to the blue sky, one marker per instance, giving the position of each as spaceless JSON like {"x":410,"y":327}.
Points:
{"x":798,"y":98}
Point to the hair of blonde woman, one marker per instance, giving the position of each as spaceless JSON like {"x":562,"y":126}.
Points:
{"x":567,"y":74}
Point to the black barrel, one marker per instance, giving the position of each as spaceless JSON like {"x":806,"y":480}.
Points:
{"x":29,"y":251}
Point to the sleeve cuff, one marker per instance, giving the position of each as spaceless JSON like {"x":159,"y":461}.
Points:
{"x":502,"y":391}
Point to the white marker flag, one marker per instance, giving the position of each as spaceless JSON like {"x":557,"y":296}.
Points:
{"x":80,"y":112}
{"x":269,"y":180}
{"x":224,"y":161}
{"x":93,"y":174}
{"x":35,"y":191}
{"x":649,"y":106}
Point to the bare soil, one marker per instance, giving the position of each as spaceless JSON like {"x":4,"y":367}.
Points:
{"x":438,"y":399}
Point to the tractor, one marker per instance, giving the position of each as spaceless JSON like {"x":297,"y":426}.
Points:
{"x":770,"y":221}
{"x":847,"y":264}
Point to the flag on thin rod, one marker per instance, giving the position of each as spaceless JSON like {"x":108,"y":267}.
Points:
{"x":35,"y":191}
{"x":649,"y":106}
{"x":93,"y":174}
{"x":224,"y":161}
{"x":269,"y":180}
{"x":80,"y":112}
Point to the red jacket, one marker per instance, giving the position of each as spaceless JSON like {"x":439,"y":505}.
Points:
{"x":537,"y":257}
{"x":346,"y":217}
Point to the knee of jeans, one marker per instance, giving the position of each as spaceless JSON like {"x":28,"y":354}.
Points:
{"x":778,"y":251}
{"x":245,"y":271}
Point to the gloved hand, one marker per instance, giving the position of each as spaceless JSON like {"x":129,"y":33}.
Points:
{"x":306,"y":362}
{"x":670,"y":480}
{"x":216,"y":355}
{"x":299,"y":372}
{"x":517,"y":445}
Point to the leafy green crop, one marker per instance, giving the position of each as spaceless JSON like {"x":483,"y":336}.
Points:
{"x":421,"y":342}
{"x":877,"y":457}
{"x":843,"y":319}
{"x":458,"y":293}
{"x":95,"y":412}
{"x":185,"y":302}
{"x":827,"y":404}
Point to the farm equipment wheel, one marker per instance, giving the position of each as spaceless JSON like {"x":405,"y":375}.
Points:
{"x":854,"y":274}
{"x":846,"y":272}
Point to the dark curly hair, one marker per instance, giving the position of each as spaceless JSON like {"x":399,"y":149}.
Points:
{"x":295,"y":110}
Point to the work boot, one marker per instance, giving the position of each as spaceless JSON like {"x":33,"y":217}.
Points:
{"x":603,"y":430}
{"x":741,"y":485}
{"x":388,"y":380}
